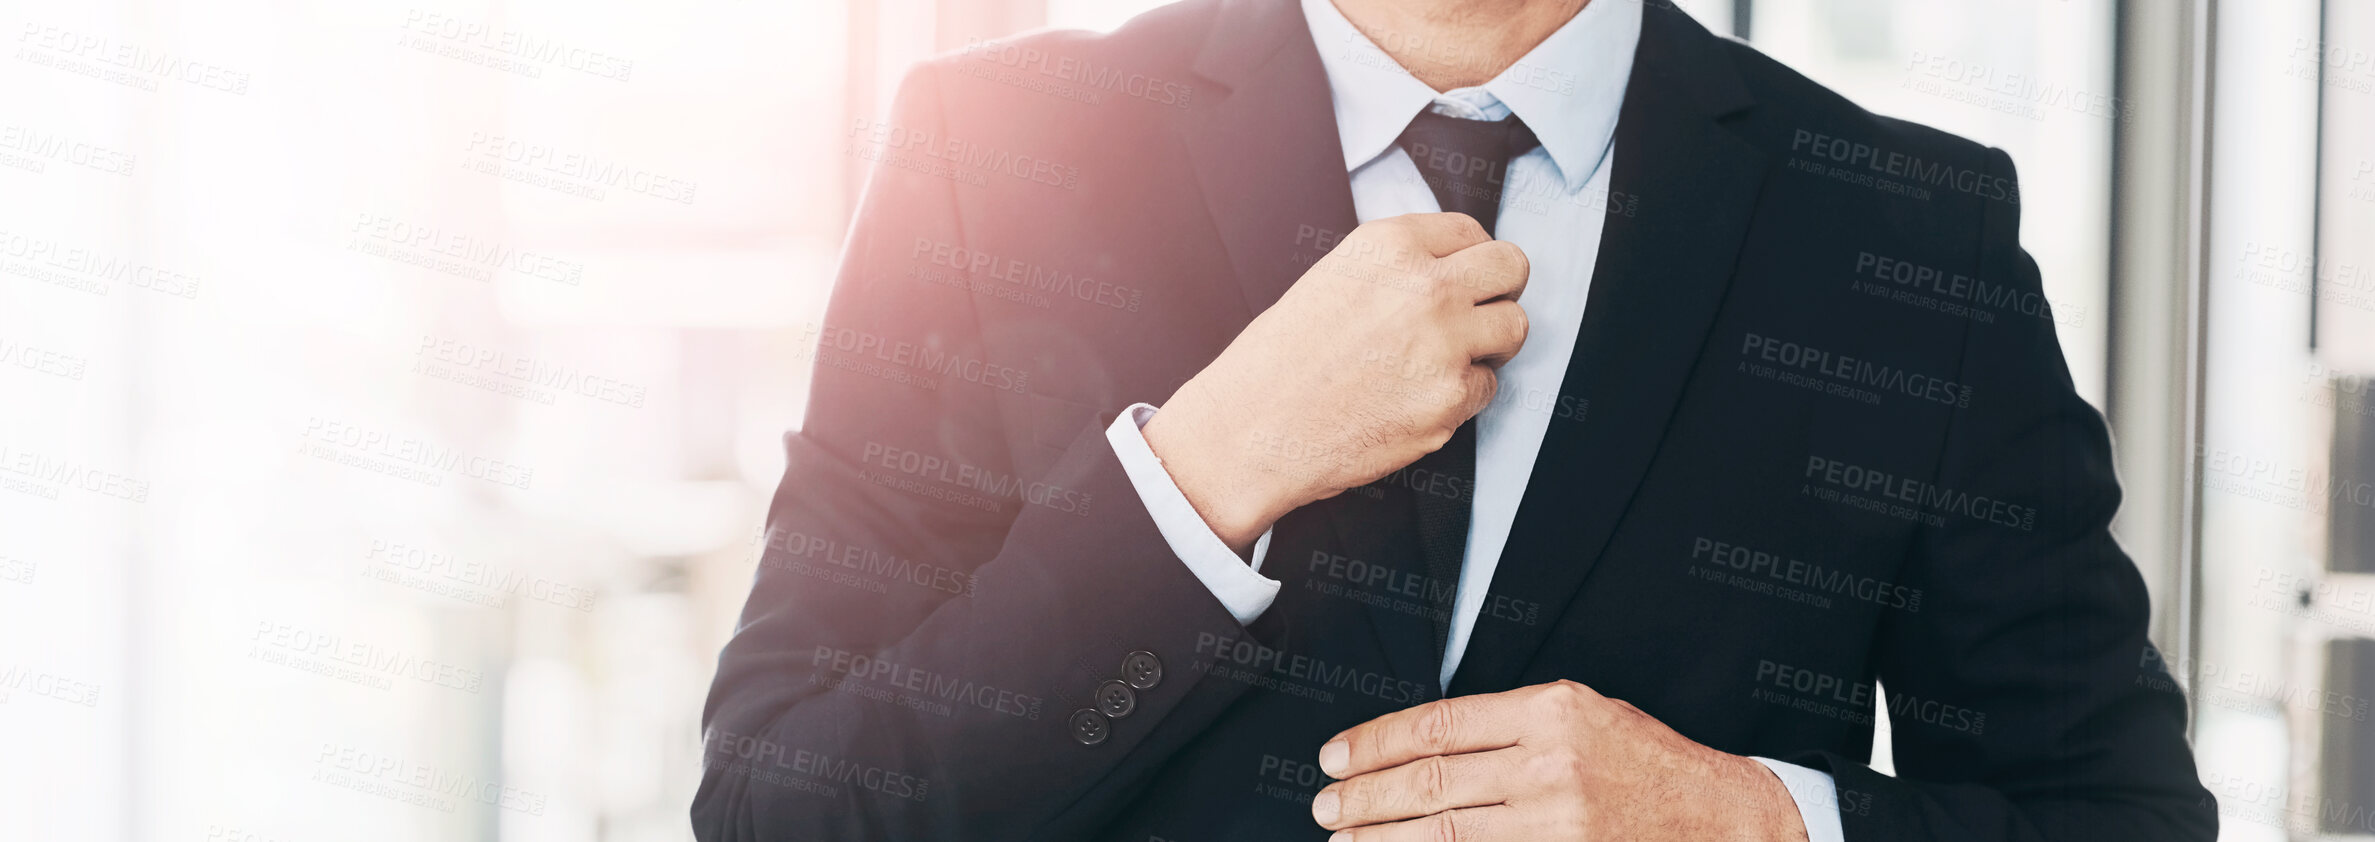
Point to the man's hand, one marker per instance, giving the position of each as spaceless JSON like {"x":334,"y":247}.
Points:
{"x":1548,"y":762}
{"x":1370,"y":361}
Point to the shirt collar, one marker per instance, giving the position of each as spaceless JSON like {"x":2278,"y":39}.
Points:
{"x":1569,"y":88}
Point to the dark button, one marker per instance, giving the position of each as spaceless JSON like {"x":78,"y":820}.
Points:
{"x":1142,"y":669}
{"x":1115,"y":699}
{"x":1090,"y":727}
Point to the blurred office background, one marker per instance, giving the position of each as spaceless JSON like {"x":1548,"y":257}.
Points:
{"x":390,"y":392}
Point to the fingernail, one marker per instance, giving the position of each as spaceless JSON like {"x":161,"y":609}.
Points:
{"x":1340,"y":836}
{"x":1323,"y":807}
{"x":1333,"y":757}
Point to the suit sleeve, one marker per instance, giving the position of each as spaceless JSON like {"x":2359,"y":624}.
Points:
{"x":927,"y":631}
{"x":2025,"y":701}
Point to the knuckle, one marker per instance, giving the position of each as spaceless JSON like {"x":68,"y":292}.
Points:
{"x":1560,"y":763}
{"x":1358,"y":798}
{"x":1483,"y":387}
{"x":1439,"y":275}
{"x":1504,"y":254}
{"x":1436,"y":728}
{"x":1470,"y":228}
{"x":1516,"y":326}
{"x":1434,"y":781}
{"x":1442,"y":828}
{"x":1567,"y":696}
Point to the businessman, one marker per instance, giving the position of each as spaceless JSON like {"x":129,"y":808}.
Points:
{"x":1435,"y":419}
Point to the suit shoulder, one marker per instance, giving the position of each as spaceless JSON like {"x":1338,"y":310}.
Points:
{"x":1908,"y":177}
{"x":1791,"y":102}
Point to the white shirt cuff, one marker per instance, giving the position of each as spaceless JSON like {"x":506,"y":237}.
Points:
{"x":1240,"y":587}
{"x":1817,"y":798}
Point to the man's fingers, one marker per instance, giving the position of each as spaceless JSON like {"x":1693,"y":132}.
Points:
{"x":1469,"y":824}
{"x":1487,"y":270}
{"x":1479,"y":384}
{"x":1448,"y":726}
{"x":1443,"y":233}
{"x":1497,"y":330}
{"x":1421,"y":787}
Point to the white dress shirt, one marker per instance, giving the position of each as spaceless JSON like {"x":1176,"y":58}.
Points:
{"x":1568,"y":90}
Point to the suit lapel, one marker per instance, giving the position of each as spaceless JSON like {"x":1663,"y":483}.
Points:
{"x":1266,"y":155}
{"x":1660,"y":278}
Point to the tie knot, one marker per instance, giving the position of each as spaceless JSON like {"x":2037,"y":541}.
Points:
{"x":1498,"y":140}
{"x":1465,"y":162}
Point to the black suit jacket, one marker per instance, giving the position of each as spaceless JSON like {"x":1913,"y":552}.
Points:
{"x":1816,"y":436}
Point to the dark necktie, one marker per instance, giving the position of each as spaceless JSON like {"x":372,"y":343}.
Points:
{"x":1466,"y":164}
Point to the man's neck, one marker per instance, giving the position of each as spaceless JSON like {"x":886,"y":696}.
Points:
{"x":1457,"y":43}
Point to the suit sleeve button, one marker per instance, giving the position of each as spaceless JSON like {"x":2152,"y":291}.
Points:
{"x":1142,"y":670}
{"x":1090,"y":727}
{"x":1115,"y":699}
